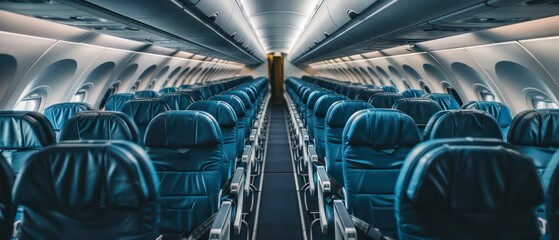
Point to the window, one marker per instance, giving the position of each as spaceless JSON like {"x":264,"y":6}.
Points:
{"x":29,"y":103}
{"x":487,"y":96}
{"x":406,"y":84}
{"x":151,"y":84}
{"x":135,"y":87}
{"x":424,"y":86}
{"x":111,"y":91}
{"x":79,"y":96}
{"x":450,"y":90}
{"x":540,"y":102}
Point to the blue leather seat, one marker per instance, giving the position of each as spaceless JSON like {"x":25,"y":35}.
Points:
{"x":419,"y":109}
{"x":7,"y":209}
{"x":319,"y":111}
{"x":336,"y":118}
{"x":375,"y":144}
{"x":146,"y":94}
{"x":142,"y":111}
{"x":467,"y":189}
{"x":23,"y":133}
{"x":88,"y":190}
{"x":412,"y":93}
{"x":389,"y":89}
{"x":194,"y":94}
{"x":185,"y":86}
{"x":309,"y":111}
{"x":98,"y":125}
{"x":366,"y":93}
{"x":239,"y":107}
{"x":384,"y":100}
{"x":205,"y":91}
{"x":462,"y":123}
{"x":353,"y":91}
{"x":249,"y":109}
{"x":177,"y":100}
{"x":551,"y":188}
{"x":115,"y":102}
{"x":498,"y":110}
{"x":226,"y":118}
{"x":59,"y":113}
{"x":186,"y":149}
{"x":444,"y":100}
{"x":168,"y":90}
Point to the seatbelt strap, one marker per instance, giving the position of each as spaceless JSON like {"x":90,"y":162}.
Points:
{"x":201,"y":230}
{"x":369,"y":230}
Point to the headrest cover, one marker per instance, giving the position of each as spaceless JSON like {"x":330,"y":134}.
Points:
{"x":115,"y":102}
{"x":389,"y":89}
{"x":419,"y":109}
{"x":314,"y":96}
{"x":220,"y":110}
{"x":384,"y":100}
{"x":25,"y":129}
{"x":535,"y":128}
{"x":381,"y":129}
{"x":76,"y":175}
{"x":235,"y":102}
{"x":183,"y":129}
{"x":98,"y":125}
{"x":177,"y":100}
{"x":444,"y":100}
{"x":57,"y":114}
{"x":146,"y":94}
{"x":339,"y":113}
{"x":143,"y":110}
{"x":498,"y":110}
{"x":324,"y":102}
{"x":462,"y":123}
{"x":412,"y":93}
{"x":366,"y":93}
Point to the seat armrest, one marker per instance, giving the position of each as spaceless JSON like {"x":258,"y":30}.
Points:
{"x":253,"y":134}
{"x":323,"y":187}
{"x":248,"y":158}
{"x":313,"y":157}
{"x":247,"y":152}
{"x":323,"y":179}
{"x":305,"y":134}
{"x":344,"y":226}
{"x":237,"y":185}
{"x":221,"y":226}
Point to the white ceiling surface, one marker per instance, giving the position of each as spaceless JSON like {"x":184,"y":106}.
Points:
{"x":279,"y":23}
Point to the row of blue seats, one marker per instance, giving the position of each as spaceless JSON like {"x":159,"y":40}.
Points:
{"x":99,"y":183}
{"x":362,"y":150}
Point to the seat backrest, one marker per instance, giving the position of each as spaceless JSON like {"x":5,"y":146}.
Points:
{"x":551,"y":188}
{"x":319,"y":111}
{"x":412,"y":93}
{"x":168,"y":90}
{"x":59,"y":113}
{"x":462,"y":123}
{"x":534,"y":132}
{"x":366,"y":93}
{"x":419,"y":109}
{"x":498,"y":110}
{"x":239,"y":108}
{"x":146,"y":94}
{"x":142,"y":111}
{"x":375,"y":144}
{"x":249,"y":111}
{"x":309,"y":111}
{"x":115,"y":101}
{"x":384,"y":100}
{"x":390,"y":89}
{"x":336,"y":118}
{"x":98,"y":125}
{"x":7,"y":209}
{"x":186,"y":147}
{"x":103,"y":190}
{"x":177,"y":100}
{"x":446,"y":101}
{"x":23,"y":133}
{"x":194,"y":94}
{"x":226,"y":118}
{"x":468,"y":189}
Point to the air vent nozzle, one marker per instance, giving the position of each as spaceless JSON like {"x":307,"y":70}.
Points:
{"x":214,"y":16}
{"x":352,"y":14}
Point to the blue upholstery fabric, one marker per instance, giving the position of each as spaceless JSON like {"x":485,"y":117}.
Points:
{"x":419,"y":109}
{"x":194,"y":94}
{"x":389,"y":89}
{"x":412,"y":93}
{"x":146,"y":94}
{"x":309,"y":111}
{"x":319,"y":113}
{"x":384,"y":100}
{"x":498,"y":110}
{"x":142,"y":111}
{"x":551,"y":187}
{"x":115,"y":102}
{"x":98,"y":125}
{"x":239,"y":108}
{"x":185,"y":86}
{"x":168,"y":90}
{"x":7,"y":209}
{"x":186,"y":149}
{"x":177,"y":100}
{"x":444,"y":100}
{"x":23,"y":132}
{"x":249,"y":111}
{"x":467,"y":189}
{"x":336,"y":118}
{"x":366,"y":93}
{"x":88,"y":190}
{"x":59,"y":113}
{"x":226,"y":118}
{"x":375,"y":144}
{"x":462,"y":123}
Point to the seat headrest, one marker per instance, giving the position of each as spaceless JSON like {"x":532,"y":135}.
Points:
{"x":339,"y":113}
{"x":185,"y":86}
{"x":183,"y":129}
{"x":384,"y":100}
{"x":366,"y":93}
{"x":419,"y":109}
{"x":469,"y":175}
{"x":194,"y":94}
{"x":142,"y":111}
{"x":177,"y":100}
{"x":235,"y":102}
{"x":25,"y":129}
{"x":168,"y":90}
{"x":249,"y":92}
{"x":324,"y":102}
{"x":462,"y":123}
{"x":146,"y":94}
{"x":220,"y":110}
{"x":389,"y":89}
{"x":412,"y":93}
{"x":98,"y":125}
{"x":86,"y":174}
{"x":242,"y":95}
{"x":381,"y":129}
{"x":58,"y":113}
{"x":498,"y":110}
{"x":444,"y":100}
{"x":115,"y":102}
{"x":535,"y":128}
{"x":308,"y":91}
{"x":550,"y":181}
{"x":314,"y":96}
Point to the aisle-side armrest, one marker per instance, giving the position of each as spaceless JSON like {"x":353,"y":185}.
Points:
{"x":344,"y":226}
{"x":324,"y":186}
{"x":221,"y":226}
{"x":237,"y":185}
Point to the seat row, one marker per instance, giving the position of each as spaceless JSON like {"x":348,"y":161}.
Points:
{"x":359,"y":153}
